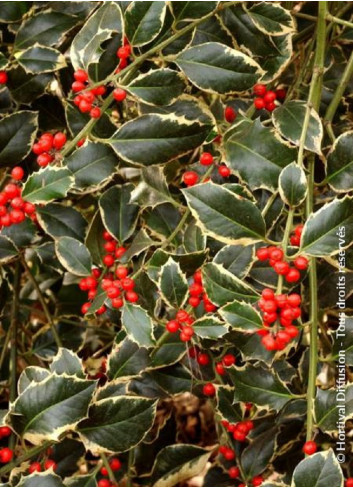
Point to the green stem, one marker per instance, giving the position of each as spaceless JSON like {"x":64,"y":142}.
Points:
{"x":13,"y":352}
{"x":336,"y":99}
{"x":26,"y":456}
{"x":125,"y":73}
{"x":42,"y":301}
{"x":109,"y":470}
{"x":337,"y":20}
{"x":314,"y":98}
{"x":130,"y":464}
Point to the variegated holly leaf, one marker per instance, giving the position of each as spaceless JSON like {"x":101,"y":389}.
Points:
{"x":209,"y":327}
{"x":144,"y":21}
{"x":47,"y":409}
{"x":339,"y":167}
{"x":41,"y":59}
{"x":126,"y":359}
{"x":17,"y":133}
{"x":138,"y":325}
{"x":271,"y":19}
{"x":74,"y":256}
{"x":117,"y":424}
{"x":333,"y":407}
{"x":319,"y":470}
{"x":158,"y":87}
{"x":48,"y":184}
{"x":59,"y":221}
{"x":293,"y":186}
{"x":241,"y":316}
{"x":224,"y":215}
{"x":152,"y":189}
{"x":8,"y":249}
{"x":173,"y":284}
{"x":236,"y":259}
{"x":289,"y":118}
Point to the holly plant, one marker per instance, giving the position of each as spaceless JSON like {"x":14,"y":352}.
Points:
{"x":175,"y":220}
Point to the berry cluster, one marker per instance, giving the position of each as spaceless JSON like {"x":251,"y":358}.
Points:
{"x":295,"y":237}
{"x":13,"y":209}
{"x":265,"y":99}
{"x":280,"y":308}
{"x":86,"y":101}
{"x":227,"y":361}
{"x":123,"y":54}
{"x":191,"y":178}
{"x":117,"y":289}
{"x":239,"y":430}
{"x":115,"y":465}
{"x":3,"y":77}
{"x":275,"y":256}
{"x":47,"y":146}
{"x":37,"y":467}
{"x":6,"y":454}
{"x":183,"y":323}
{"x":197,"y":293}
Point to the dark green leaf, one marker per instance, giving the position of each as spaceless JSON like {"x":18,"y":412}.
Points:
{"x":236,"y":259}
{"x":241,"y":316}
{"x":293,"y":185}
{"x":340,"y":163}
{"x":7,"y":249}
{"x":47,"y":184}
{"x":158,"y":87}
{"x":224,"y":215}
{"x":320,"y":470}
{"x":138,"y":325}
{"x":226,"y":407}
{"x":117,"y":424}
{"x":74,"y":256}
{"x":257,"y":154}
{"x":118,"y":214}
{"x":209,"y":327}
{"x":13,"y":11}
{"x":272,"y":19}
{"x":59,"y":221}
{"x":41,"y":59}
{"x":329,"y":229}
{"x":256,"y":456}
{"x":152,"y":189}
{"x":173,"y":284}
{"x":21,"y":234}
{"x":17,"y":133}
{"x":144,"y":21}
{"x":66,"y":362}
{"x":216,"y":68}
{"x":288,"y":119}
{"x":333,"y":407}
{"x":187,"y":11}
{"x":259,"y":385}
{"x":157,"y":138}
{"x":127,"y":360}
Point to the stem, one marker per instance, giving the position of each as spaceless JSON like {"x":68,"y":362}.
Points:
{"x":331,"y":109}
{"x":26,"y":456}
{"x":107,"y":466}
{"x":42,"y":301}
{"x":133,"y":67}
{"x":13,"y":352}
{"x":339,"y":21}
{"x":130,"y":463}
{"x":314,"y":98}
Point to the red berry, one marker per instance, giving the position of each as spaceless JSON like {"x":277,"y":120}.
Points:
{"x":281,"y":267}
{"x":281,"y":300}
{"x":309,"y":447}
{"x":224,"y":171}
{"x":229,"y":454}
{"x":195,"y":289}
{"x":220,"y":368}
{"x":17,"y":173}
{"x":268,"y":294}
{"x":131,"y":296}
{"x":99,"y":90}
{"x":190,"y":178}
{"x":294,"y":300}
{"x":299,"y":230}
{"x":203,"y":359}
{"x":281,"y":93}
{"x":108,"y":260}
{"x":85,"y":106}
{"x":172,"y":326}
{"x":85,"y":307}
{"x":128,"y":283}
{"x":95,"y":113}
{"x":270,"y":306}
{"x":101,"y":310}
{"x":59,"y":140}
{"x":91,"y":282}
{"x":270,"y":317}
{"x":3,"y":77}
{"x":120,"y":251}
{"x":104,"y":471}
{"x":229,"y":114}
{"x":5,"y":431}
{"x":17,"y":203}
{"x":29,"y":208}
{"x":301,"y":263}
{"x":259,"y":89}
{"x":182,"y":316}
{"x":115,"y":464}
{"x":81,"y":142}
{"x":117,"y":303}
{"x":270,"y":96}
{"x":5,"y":220}
{"x":257,"y":480}
{"x":77,"y":86}
{"x":233,"y":472}
{"x":121,"y":271}
{"x":228,"y":360}
{"x":209,"y":389}
{"x":276,"y":254}
{"x":293,"y":275}
{"x":206,"y":159}
{"x":12,"y":190}
{"x":292,"y":331}
{"x":119,"y":94}
{"x":107,"y":236}
{"x":294,"y":240}
{"x":259,"y":103}
{"x":269,"y":342}
{"x":104,"y":483}
{"x":262,"y":254}
{"x":44,"y":159}
{"x":113,"y":292}
{"x":270,"y":106}
{"x":123,"y":52}
{"x":349,"y":482}
{"x":17,"y":216}
{"x":6,"y":455}
{"x":109,"y":246}
{"x":80,"y":75}
{"x":34,"y":467}
{"x":194,"y":301}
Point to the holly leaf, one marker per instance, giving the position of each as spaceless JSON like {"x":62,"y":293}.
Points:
{"x":118,"y":214}
{"x":40,"y":59}
{"x":209,"y":327}
{"x":236,"y":259}
{"x":271,"y":19}
{"x":224,"y":215}
{"x":333,"y":407}
{"x":241,"y":316}
{"x":152,"y":189}
{"x":44,"y":479}
{"x":339,"y":169}
{"x":138,"y":325}
{"x":49,"y":183}
{"x":127,"y":359}
{"x":293,"y":185}
{"x":47,"y":409}
{"x":288,"y":119}
{"x":17,"y":134}
{"x":260,"y":385}
{"x":144,"y":21}
{"x":177,"y":463}
{"x":319,"y":470}
{"x":216,"y":68}
{"x":59,"y":220}
{"x":173,"y":284}
{"x":8,"y":249}
{"x":92,"y":165}
{"x":74,"y":256}
{"x":129,"y":417}
{"x":158,"y":87}
{"x":329,"y":229}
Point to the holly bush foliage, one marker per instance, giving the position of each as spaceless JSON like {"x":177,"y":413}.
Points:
{"x":90,"y":390}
